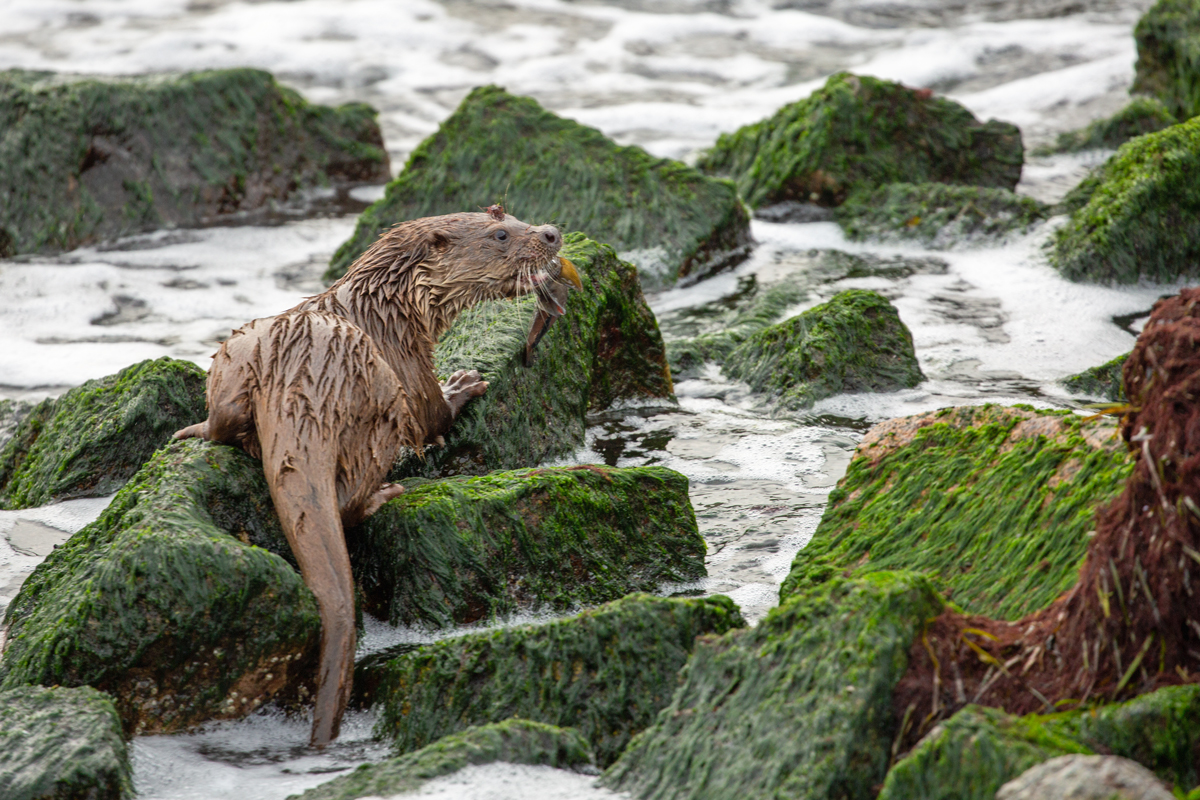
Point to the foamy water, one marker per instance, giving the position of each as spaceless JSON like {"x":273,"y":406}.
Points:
{"x":989,"y":324}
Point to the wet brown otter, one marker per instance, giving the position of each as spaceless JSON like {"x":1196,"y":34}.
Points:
{"x":327,"y":392}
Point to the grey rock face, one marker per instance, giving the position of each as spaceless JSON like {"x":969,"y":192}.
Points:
{"x":1085,"y":778}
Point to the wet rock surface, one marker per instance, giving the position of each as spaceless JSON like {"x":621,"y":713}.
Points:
{"x":86,"y":159}
{"x":1168,"y":43}
{"x":1085,"y":778}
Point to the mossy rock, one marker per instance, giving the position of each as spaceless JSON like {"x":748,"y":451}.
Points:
{"x":605,"y":349}
{"x":972,"y":754}
{"x":1141,"y":218}
{"x":606,"y":672}
{"x":798,"y":706}
{"x":462,"y":549}
{"x":938,"y":215}
{"x":1104,"y":381}
{"x":502,"y":148}
{"x":1142,"y":115}
{"x":513,"y":741}
{"x":157,"y":602}
{"x":853,"y":343}
{"x":62,"y":744}
{"x":994,"y":504}
{"x":1168,"y":63}
{"x":95,"y":437}
{"x":859,"y":132}
{"x":91,"y":158}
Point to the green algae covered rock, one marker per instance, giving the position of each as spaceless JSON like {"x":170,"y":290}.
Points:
{"x":462,"y":549}
{"x":1141,"y":116}
{"x":158,"y":604}
{"x":994,"y":504}
{"x":1140,"y":214}
{"x":501,"y":148}
{"x":1104,"y":381}
{"x":90,"y":158}
{"x":860,"y":132}
{"x":515,"y":741}
{"x":938,"y":215}
{"x":605,"y":349}
{"x":798,"y":706}
{"x":1168,"y":64}
{"x":63,"y":744}
{"x":853,"y":343}
{"x":606,"y":672}
{"x":970,"y":755}
{"x":92,"y":439}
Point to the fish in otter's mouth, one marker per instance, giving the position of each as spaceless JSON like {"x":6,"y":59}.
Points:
{"x":552,"y":302}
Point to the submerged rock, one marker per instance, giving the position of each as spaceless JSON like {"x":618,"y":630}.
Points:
{"x":994,"y":504}
{"x":853,"y":343}
{"x":606,"y":672}
{"x":1103,"y":381}
{"x":1138,"y":216}
{"x":95,"y":437}
{"x":514,"y":741}
{"x":157,"y":602}
{"x":1141,"y":116}
{"x":605,"y":349}
{"x":938,"y":215}
{"x":1168,"y":63}
{"x":798,"y":706}
{"x":91,"y":158}
{"x":860,"y":132}
{"x":62,"y":743}
{"x":501,"y":148}
{"x":976,"y":751}
{"x":463,"y":549}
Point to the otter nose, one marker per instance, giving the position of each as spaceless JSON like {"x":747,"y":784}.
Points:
{"x":550,"y":235}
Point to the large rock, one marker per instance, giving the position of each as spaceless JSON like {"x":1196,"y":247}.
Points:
{"x":993,"y":503}
{"x":938,"y":215}
{"x":463,"y":549}
{"x":89,"y":158}
{"x":157,"y":602}
{"x":1138,"y":216}
{"x":976,"y":751}
{"x":853,"y":343}
{"x":606,"y":672}
{"x":798,"y":706}
{"x":860,"y":132}
{"x":499,"y":148}
{"x":1086,"y":778}
{"x":605,"y":349}
{"x":63,"y":744}
{"x":1168,"y":63}
{"x":95,"y":437}
{"x":514,"y":741}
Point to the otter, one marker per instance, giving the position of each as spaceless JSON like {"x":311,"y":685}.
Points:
{"x":326,"y":393}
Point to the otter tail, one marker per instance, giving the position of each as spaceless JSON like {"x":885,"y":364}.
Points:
{"x":303,"y":487}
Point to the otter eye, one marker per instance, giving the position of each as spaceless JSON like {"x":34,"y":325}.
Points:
{"x":501,"y":235}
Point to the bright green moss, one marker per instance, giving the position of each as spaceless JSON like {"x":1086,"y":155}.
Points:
{"x":1168,"y":64}
{"x":92,"y":439}
{"x":606,"y":349}
{"x":606,"y":672}
{"x":798,"y":706}
{"x":461,"y":549}
{"x":937,"y":214}
{"x":500,"y":148}
{"x":1142,"y":214}
{"x":972,"y":754}
{"x":61,"y":743}
{"x":515,"y":741}
{"x":1104,"y":381}
{"x":853,"y":343}
{"x":160,"y":606}
{"x":84,"y":159}
{"x":859,"y":132}
{"x":994,"y":504}
{"x":1141,"y":116}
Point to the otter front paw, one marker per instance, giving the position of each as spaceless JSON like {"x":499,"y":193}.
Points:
{"x":381,"y":495}
{"x":461,"y":387}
